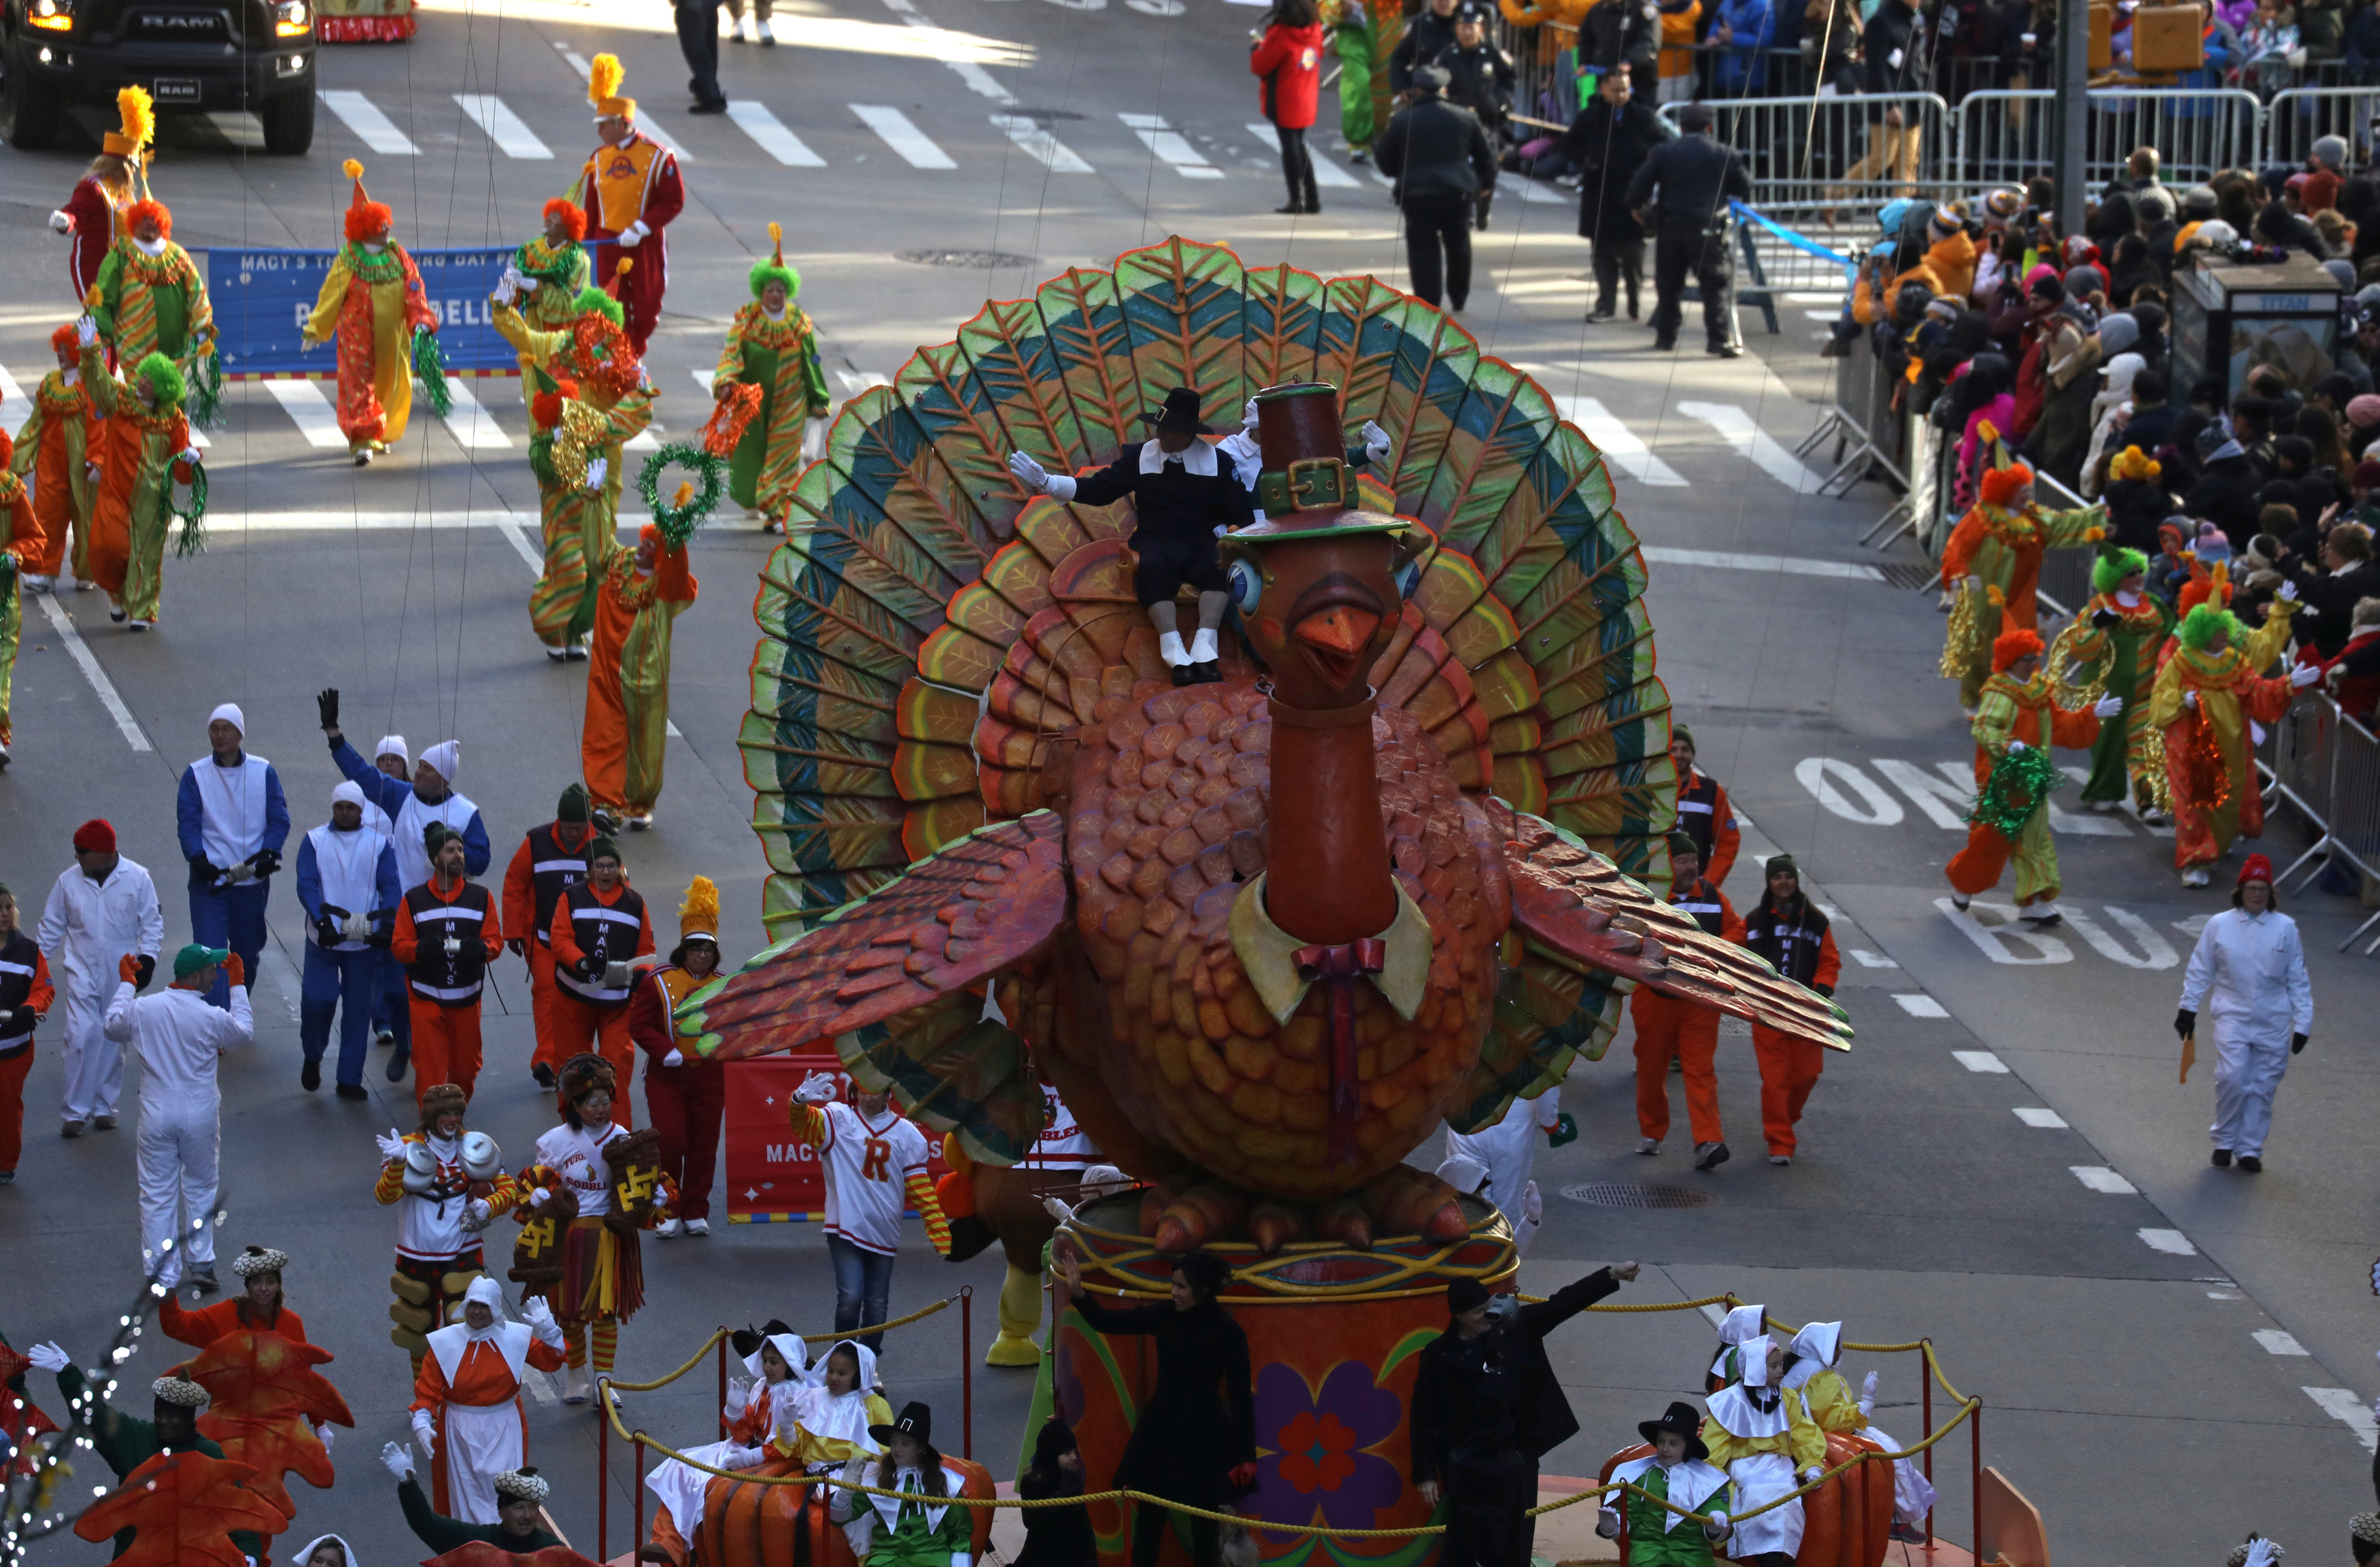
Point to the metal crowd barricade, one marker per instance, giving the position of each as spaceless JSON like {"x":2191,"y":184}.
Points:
{"x":2004,"y":137}
{"x":2296,"y":118}
{"x":1819,"y":163}
{"x":2352,"y":829}
{"x":1867,"y":435}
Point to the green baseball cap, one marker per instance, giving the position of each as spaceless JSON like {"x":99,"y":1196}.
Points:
{"x":192,"y":958}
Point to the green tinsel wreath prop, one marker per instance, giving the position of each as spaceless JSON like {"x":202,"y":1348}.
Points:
{"x":430,"y":366}
{"x":204,"y":404}
{"x":2021,"y":784}
{"x":192,"y":539}
{"x":677,"y":522}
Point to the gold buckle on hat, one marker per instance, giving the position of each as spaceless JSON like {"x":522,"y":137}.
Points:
{"x":1308,"y":484}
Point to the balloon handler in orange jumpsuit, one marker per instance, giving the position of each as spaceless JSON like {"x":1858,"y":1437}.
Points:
{"x":1790,"y":931}
{"x":1666,"y":1028}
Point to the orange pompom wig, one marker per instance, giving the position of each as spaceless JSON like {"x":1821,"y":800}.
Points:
{"x":545,"y":408}
{"x":2001,"y":484}
{"x":2011,"y":646}
{"x":572,"y":219}
{"x":64,"y":338}
{"x":142,"y":211}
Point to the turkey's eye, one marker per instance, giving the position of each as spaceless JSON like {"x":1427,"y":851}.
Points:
{"x":1408,"y":579}
{"x":1247,"y":586}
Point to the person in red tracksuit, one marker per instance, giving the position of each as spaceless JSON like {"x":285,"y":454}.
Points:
{"x":25,"y":997}
{"x":1288,"y":59}
{"x":685,"y":1096}
{"x":601,"y":927}
{"x":1667,"y":1027}
{"x":551,"y":860}
{"x":1790,"y":932}
{"x":1705,"y":813}
{"x":447,"y":933}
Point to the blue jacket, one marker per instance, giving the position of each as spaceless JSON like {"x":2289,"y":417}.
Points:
{"x":189,"y":818}
{"x":390,"y":794}
{"x":385,"y":891}
{"x":1753,"y":24}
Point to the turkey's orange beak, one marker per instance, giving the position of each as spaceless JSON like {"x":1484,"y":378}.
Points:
{"x":1337,"y":638}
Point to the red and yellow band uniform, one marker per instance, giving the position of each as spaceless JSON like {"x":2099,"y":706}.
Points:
{"x":629,"y":192}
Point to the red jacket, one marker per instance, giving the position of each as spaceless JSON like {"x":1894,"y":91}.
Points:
{"x":2359,"y":687}
{"x":204,"y":1328}
{"x":1289,"y":61}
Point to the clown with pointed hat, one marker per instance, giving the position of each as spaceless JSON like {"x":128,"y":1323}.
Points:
{"x":639,"y":596}
{"x":2209,"y":691}
{"x":151,"y":297}
{"x":1992,"y":564}
{"x":98,"y":213}
{"x":685,"y":1093}
{"x":373,"y":304}
{"x":547,"y":275}
{"x":2121,"y":628}
{"x":580,"y":429}
{"x":629,"y":190}
{"x":771,"y":386}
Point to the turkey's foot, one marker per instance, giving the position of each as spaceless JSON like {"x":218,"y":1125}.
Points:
{"x":1273,"y":1223}
{"x":1402,"y":1200}
{"x":1207,"y":1211}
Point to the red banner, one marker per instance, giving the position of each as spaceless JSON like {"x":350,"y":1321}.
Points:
{"x":771,"y":1177}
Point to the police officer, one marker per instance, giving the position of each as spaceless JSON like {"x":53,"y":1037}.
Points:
{"x":1440,"y":157}
{"x":1687,"y":183}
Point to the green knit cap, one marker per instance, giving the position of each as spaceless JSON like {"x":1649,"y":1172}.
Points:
{"x":163,"y":380}
{"x":2113,"y":566}
{"x":1781,"y":863}
{"x":572,"y":804}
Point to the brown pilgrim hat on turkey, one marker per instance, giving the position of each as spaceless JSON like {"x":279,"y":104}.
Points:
{"x":1180,"y":414}
{"x":1305,"y":469}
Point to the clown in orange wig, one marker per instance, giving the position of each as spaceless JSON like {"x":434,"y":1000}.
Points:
{"x":549,"y":274}
{"x":54,"y":445}
{"x":151,"y":297}
{"x":2018,"y":712}
{"x":1993,"y":562}
{"x":373,"y":304}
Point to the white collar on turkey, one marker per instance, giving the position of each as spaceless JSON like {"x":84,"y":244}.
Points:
{"x":1691,"y":1483}
{"x":510,"y":1340}
{"x":1264,"y":952}
{"x":1198,"y":457}
{"x":834,"y":1418}
{"x":888,"y":1508}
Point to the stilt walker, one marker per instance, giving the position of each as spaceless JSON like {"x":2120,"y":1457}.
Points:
{"x":2017,"y":720}
{"x":2207,"y":693}
{"x":547,"y":274}
{"x":1993,"y":563}
{"x":447,"y":1184}
{"x":144,"y":451}
{"x":97,"y":214}
{"x":152,"y":299}
{"x":56,"y":446}
{"x":600,"y":929}
{"x":2120,"y":631}
{"x":373,"y":302}
{"x":551,"y":860}
{"x":630,"y":190}
{"x":641,"y":594}
{"x":770,"y":381}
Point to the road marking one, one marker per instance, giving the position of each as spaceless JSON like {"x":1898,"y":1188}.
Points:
{"x":898,"y":133}
{"x":1826,"y":778}
{"x":2342,"y":1406}
{"x":1325,"y":173}
{"x":310,"y":411}
{"x":1917,"y":1003}
{"x":1736,"y":428}
{"x":508,"y":131}
{"x":374,"y":130}
{"x":772,"y":135}
{"x":1046,"y":149}
{"x":2276,"y":1341}
{"x":1979,"y":1060}
{"x":2033,"y":1115}
{"x":1621,"y":448}
{"x":2099,"y":1178}
{"x":1172,"y":146}
{"x":2171,"y":1242}
{"x":63,"y":624}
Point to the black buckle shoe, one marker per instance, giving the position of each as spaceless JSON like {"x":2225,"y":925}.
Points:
{"x":1186,"y":675}
{"x":1208,"y":672}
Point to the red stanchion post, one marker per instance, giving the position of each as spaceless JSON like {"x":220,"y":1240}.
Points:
{"x":1975,"y":1472}
{"x":1925,"y":1403}
{"x":602,"y":1480}
{"x":722,"y":1381}
{"x":967,"y":1370}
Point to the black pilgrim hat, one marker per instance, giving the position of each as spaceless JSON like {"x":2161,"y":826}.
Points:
{"x":746,"y":1341}
{"x":917,"y":1420}
{"x":1180,"y":413}
{"x":1680,"y":1420}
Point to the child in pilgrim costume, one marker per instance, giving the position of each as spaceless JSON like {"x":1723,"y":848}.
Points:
{"x":776,"y":1358}
{"x":326,"y":1550}
{"x":1811,"y":1375}
{"x":520,"y":1511}
{"x":1677,"y":1473}
{"x":891,"y":1531}
{"x":1182,"y":497}
{"x":1743,"y":1323}
{"x":1763,"y":1437}
{"x":467,"y":1408}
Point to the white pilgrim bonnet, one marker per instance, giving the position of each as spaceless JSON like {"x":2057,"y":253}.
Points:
{"x":306,"y":1557}
{"x":1752,"y":1356}
{"x":790,"y":1345}
{"x":840,"y":1418}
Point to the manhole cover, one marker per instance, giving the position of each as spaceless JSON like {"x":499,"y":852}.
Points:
{"x":1913,"y":578}
{"x":963,"y":258}
{"x":1633,"y":1194}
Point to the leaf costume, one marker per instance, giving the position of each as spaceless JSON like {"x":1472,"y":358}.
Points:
{"x":2003,"y":548}
{"x":2207,"y":754}
{"x":239,"y":1520}
{"x":627,"y":676}
{"x":54,"y":446}
{"x":780,"y":355}
{"x":139,"y":460}
{"x":267,"y":1397}
{"x":2017,"y":709}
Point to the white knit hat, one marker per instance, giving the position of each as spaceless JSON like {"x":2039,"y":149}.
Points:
{"x":393,"y":746}
{"x":258,"y":1260}
{"x":445,"y":759}
{"x":229,"y":713}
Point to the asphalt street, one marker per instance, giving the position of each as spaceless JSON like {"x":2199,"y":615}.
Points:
{"x":2168,"y":1355}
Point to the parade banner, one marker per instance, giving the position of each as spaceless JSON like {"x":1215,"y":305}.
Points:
{"x":262,"y":298}
{"x":771,"y":1178}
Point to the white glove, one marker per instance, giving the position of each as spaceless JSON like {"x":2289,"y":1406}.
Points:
{"x":743,"y":1458}
{"x":1375,"y":442}
{"x":49,"y":1358}
{"x":1867,"y":1395}
{"x":596,"y":472}
{"x":1719,"y":1528}
{"x":2303,"y":676}
{"x":967,"y":1558}
{"x":615,"y":975}
{"x":814,"y":438}
{"x":539,"y":1198}
{"x":634,"y":234}
{"x":2017,"y":748}
{"x":817,"y":1088}
{"x":476,"y":1213}
{"x":1533,"y":1204}
{"x":190,"y":454}
{"x":2260,"y":1554}
{"x":396,"y":1461}
{"x":2190,"y":700}
{"x":324,"y":1434}
{"x":1607,"y":1521}
{"x":539,"y":1314}
{"x":61,"y":222}
{"x":2108,"y":707}
{"x":739,"y":1397}
{"x":1030,"y":474}
{"x":87,"y":331}
{"x":675,"y":1058}
{"x":1811,"y":1474}
{"x":391,"y":1147}
{"x":425,"y":1431}
{"x":356,"y":926}
{"x":2289,"y":592}
{"x":1972,"y":583}
{"x":1057,"y":1208}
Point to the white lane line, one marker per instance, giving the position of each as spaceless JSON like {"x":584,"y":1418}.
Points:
{"x":2277,"y":1343}
{"x":518,"y":537}
{"x":856,"y":381}
{"x":2099,"y":1178}
{"x":2033,"y":1115}
{"x":64,"y":625}
{"x":1979,"y":1060}
{"x":1735,"y":427}
{"x":770,"y":132}
{"x":1171,"y":145}
{"x":540,"y":1388}
{"x":968,"y":72}
{"x":2171,"y":1242}
{"x":1618,"y":444}
{"x":10,"y":392}
{"x":2342,"y":1406}
{"x":374,"y":130}
{"x":1867,"y":959}
{"x":1920,"y":1005}
{"x":475,"y":428}
{"x":310,"y":411}
{"x":1787,"y":566}
{"x":1325,"y":170}
{"x":1053,"y":153}
{"x":506,"y":129}
{"x":903,"y":136}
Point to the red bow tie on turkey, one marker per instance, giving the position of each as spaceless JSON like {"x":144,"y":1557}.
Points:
{"x":1338,"y":968}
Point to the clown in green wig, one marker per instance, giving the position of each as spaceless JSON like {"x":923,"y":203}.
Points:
{"x":2118,"y":635}
{"x":2114,"y":566}
{"x":143,"y":449}
{"x":160,"y":378}
{"x":771,"y":386}
{"x":2209,"y":694}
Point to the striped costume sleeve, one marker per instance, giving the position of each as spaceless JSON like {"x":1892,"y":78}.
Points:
{"x":921,"y":1196}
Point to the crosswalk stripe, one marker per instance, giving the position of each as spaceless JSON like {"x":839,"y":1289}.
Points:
{"x":475,"y":428}
{"x":903,"y":136}
{"x":310,"y":411}
{"x":704,"y":378}
{"x":11,"y":394}
{"x":968,"y":72}
{"x":1618,"y":444}
{"x":770,"y":132}
{"x":1053,"y":153}
{"x":374,"y":130}
{"x":506,"y":129}
{"x":1735,"y":427}
{"x":1325,"y":170}
{"x":1172,"y":146}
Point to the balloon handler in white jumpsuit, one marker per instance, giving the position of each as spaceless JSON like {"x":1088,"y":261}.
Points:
{"x":179,"y":1038}
{"x":2248,"y":975}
